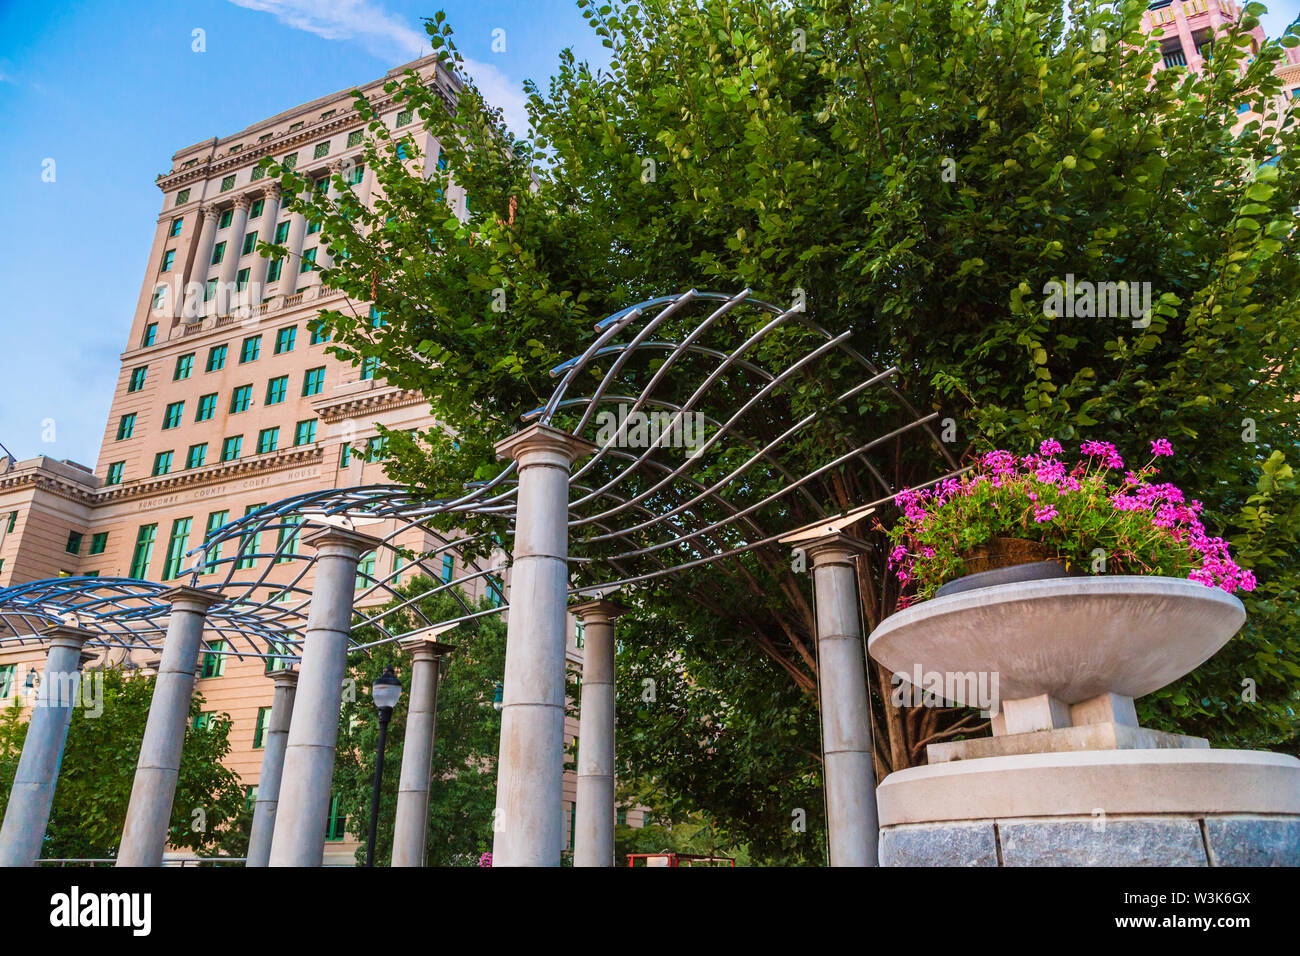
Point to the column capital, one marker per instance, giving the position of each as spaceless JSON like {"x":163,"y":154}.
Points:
{"x":64,"y":635}
{"x":833,"y":548}
{"x":334,"y":166}
{"x":288,"y":677}
{"x":272,"y":190}
{"x":192,"y":599}
{"x":597,"y":611}
{"x":207,"y":209}
{"x":540,"y":438}
{"x":243,"y":202}
{"x":332,"y":538}
{"x":426,"y":648}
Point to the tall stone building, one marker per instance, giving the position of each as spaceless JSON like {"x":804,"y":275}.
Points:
{"x":220,"y":410}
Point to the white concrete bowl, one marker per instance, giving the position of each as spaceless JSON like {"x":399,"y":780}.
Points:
{"x":1073,"y":638}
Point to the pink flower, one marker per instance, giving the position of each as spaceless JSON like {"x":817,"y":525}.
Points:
{"x":1050,"y":447}
{"x":1044,"y":513}
{"x":1161,"y":447}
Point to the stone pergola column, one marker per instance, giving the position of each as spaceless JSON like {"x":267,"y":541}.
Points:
{"x":28,"y":812}
{"x":529,"y":808}
{"x":412,"y":822}
{"x":851,"y":818}
{"x":266,"y":233}
{"x":303,"y":812}
{"x":268,"y":782}
{"x":147,"y":816}
{"x":593,"y":827}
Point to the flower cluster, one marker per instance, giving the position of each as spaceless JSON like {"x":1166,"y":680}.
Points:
{"x":1092,"y":516}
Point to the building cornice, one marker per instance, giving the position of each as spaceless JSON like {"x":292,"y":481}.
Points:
{"x":213,"y":474}
{"x":338,"y":408}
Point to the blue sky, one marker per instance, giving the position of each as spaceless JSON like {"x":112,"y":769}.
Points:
{"x":109,"y":91}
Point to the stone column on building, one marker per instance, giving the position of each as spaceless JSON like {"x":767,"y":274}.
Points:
{"x":148,"y":815}
{"x":192,"y":298}
{"x":292,"y":269}
{"x":851,"y":817}
{"x":266,"y":233}
{"x":529,"y":807}
{"x":593,"y":836}
{"x":303,"y":812}
{"x":27,"y":813}
{"x":412,"y":821}
{"x":323,"y":259}
{"x":268,"y":781}
{"x":230,"y":262}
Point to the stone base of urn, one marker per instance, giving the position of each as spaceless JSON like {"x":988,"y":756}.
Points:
{"x":1181,"y":806}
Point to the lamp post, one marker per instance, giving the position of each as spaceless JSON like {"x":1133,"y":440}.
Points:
{"x":386,"y":691}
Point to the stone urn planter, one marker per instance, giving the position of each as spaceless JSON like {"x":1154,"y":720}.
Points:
{"x":1069,"y":777}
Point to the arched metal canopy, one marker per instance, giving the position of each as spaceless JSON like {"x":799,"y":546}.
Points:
{"x":705,"y":410}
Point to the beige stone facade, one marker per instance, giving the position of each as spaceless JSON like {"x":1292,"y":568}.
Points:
{"x":218,"y":411}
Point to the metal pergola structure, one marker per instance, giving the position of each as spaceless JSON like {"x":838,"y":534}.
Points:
{"x":704,"y":409}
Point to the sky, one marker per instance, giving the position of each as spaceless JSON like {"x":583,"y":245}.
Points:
{"x":101,"y":94}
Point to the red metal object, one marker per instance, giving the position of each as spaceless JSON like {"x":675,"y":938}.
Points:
{"x":678,"y":859}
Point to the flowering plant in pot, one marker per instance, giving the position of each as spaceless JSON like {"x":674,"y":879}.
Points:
{"x":1090,"y":516}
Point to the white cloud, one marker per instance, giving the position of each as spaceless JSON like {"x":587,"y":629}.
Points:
{"x":379,"y":31}
{"x":501,"y":91}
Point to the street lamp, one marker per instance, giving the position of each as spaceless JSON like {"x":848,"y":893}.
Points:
{"x":497,"y":699}
{"x":386,"y":691}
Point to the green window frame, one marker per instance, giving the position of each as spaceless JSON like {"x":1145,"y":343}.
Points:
{"x":495,"y":595}
{"x":321,"y":151}
{"x":150,"y":334}
{"x":250,"y":243}
{"x":251,"y":350}
{"x":241,"y":279}
{"x":176,"y":227}
{"x":240,"y":398}
{"x":206,"y":407}
{"x":228,"y":183}
{"x":259,"y":730}
{"x":290,"y":161}
{"x":319,"y":334}
{"x":286,"y":545}
{"x":138,"y":376}
{"x":267,"y":440}
{"x":230,"y":448}
{"x":145,"y":536}
{"x":404,"y":117}
{"x":365,"y":571}
{"x":226,"y":216}
{"x":375,"y":448}
{"x":197,"y":455}
{"x":13,"y":520}
{"x":7,"y":672}
{"x":215,"y":520}
{"x":162,"y":463}
{"x":250,"y":543}
{"x":257,"y":207}
{"x":274,"y":269}
{"x":177,"y":545}
{"x":182,"y":197}
{"x":304,"y":433}
{"x":448,"y":568}
{"x":250,"y":797}
{"x":218,"y":252}
{"x":355,"y":175}
{"x":168,"y":260}
{"x":214,"y":663}
{"x":285,"y":338}
{"x":210,"y":289}
{"x":282,"y":232}
{"x":345,"y":455}
{"x":309,"y":260}
{"x":276,"y":389}
{"x":202,"y":720}
{"x":98,"y":542}
{"x":126,"y":426}
{"x":216,"y":358}
{"x":172,"y":415}
{"x":275,"y":662}
{"x":258,"y":172}
{"x":354,"y":138}
{"x":313,"y":381}
{"x":184,"y":366}
{"x":74,"y":542}
{"x":337,"y":824}
{"x":369,"y":367}
{"x":114,"y":476}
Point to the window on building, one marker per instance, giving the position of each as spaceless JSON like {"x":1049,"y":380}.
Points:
{"x":448,"y":568}
{"x":286,"y":545}
{"x":196,"y":456}
{"x":259,"y":731}
{"x":137,"y":378}
{"x":276,"y":389}
{"x":241,"y":280}
{"x":267,"y":439}
{"x":143,"y":554}
{"x":172,"y":415}
{"x":250,"y":543}
{"x":13,"y":520}
{"x":309,"y":260}
{"x":369,"y":367}
{"x":580,"y":635}
{"x":182,"y":197}
{"x":216,"y":358}
{"x":176,"y":227}
{"x":304,"y":433}
{"x":250,"y":243}
{"x":159,"y":298}
{"x":404,"y":117}
{"x":354,"y":138}
{"x":114,"y":476}
{"x":355,"y":174}
{"x":240,"y":399}
{"x":98,"y":542}
{"x":251,"y":349}
{"x":313,"y":381}
{"x":282,"y":232}
{"x":230,"y":448}
{"x":337,"y":824}
{"x":345,"y":455}
{"x":162,"y":463}
{"x":259,"y":171}
{"x":184,"y":365}
{"x":74,"y":543}
{"x":265,"y":137}
{"x":1174,"y":57}
{"x":274,"y":269}
{"x":366,"y":571}
{"x":277,"y":663}
{"x":256,"y":210}
{"x":206,"y":408}
{"x":290,"y":161}
{"x":202,"y":721}
{"x":7,"y":672}
{"x":284,"y":339}
{"x":126,"y":426}
{"x":321,"y":151}
{"x":228,"y":183}
{"x":177,"y":545}
{"x":375,"y":448}
{"x":621,"y":816}
{"x":150,"y":334}
{"x":168,"y":260}
{"x":213,"y":553}
{"x":209,"y":290}
{"x":496,"y":596}
{"x":319,"y":333}
{"x":214,"y":662}
{"x":250,"y":797}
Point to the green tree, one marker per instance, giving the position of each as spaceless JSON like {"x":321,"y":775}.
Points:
{"x":462,"y":793}
{"x":923,"y":170}
{"x":209,"y":813}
